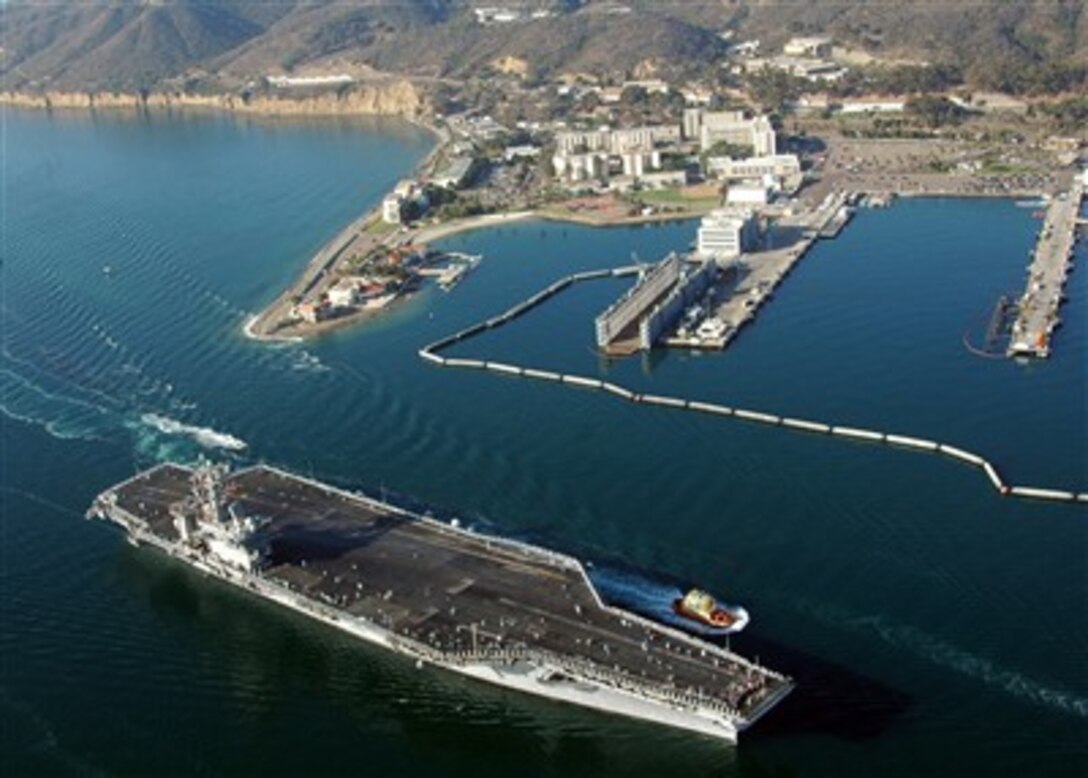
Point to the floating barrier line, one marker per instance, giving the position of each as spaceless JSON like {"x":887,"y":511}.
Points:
{"x":430,"y":353}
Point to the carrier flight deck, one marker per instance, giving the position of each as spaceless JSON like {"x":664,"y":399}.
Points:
{"x":505,"y":612}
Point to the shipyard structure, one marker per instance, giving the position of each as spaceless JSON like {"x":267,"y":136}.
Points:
{"x":508,"y":613}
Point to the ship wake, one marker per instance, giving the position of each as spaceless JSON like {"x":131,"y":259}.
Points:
{"x":942,"y":653}
{"x":205,"y":436}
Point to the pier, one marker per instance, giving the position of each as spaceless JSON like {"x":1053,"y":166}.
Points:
{"x":1037,"y":314}
{"x":751,"y":281}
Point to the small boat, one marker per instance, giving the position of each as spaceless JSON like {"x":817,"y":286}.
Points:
{"x":699,"y":606}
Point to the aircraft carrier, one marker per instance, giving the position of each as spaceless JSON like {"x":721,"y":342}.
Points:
{"x":501,"y":611}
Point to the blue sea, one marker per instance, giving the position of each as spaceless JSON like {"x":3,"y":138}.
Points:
{"x":932,"y":625}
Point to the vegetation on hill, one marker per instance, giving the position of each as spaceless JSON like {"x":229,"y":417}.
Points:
{"x":1020,"y":46}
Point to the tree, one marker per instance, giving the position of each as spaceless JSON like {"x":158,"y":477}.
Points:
{"x":774,"y":89}
{"x":1068,"y":115}
{"x":725,"y":149}
{"x":934,"y":111}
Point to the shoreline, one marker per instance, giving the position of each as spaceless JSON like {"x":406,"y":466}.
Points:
{"x":321,"y":263}
{"x":394,"y":98}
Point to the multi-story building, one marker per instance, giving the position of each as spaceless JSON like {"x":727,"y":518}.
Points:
{"x":615,"y":141}
{"x":726,"y":232}
{"x":815,"y":70}
{"x":579,"y":167}
{"x":343,"y":293}
{"x":711,"y":127}
{"x":782,"y":167}
{"x":588,"y":154}
{"x":396,"y":204}
{"x":749,"y":193}
{"x":456,"y":173}
{"x":392,"y":208}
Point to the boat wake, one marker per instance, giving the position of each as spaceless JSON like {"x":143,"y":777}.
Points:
{"x":654,"y":599}
{"x":304,"y":361}
{"x":66,"y":408}
{"x":205,"y":436}
{"x":61,"y":416}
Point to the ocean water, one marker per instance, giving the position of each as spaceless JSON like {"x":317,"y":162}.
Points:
{"x":932,"y":625}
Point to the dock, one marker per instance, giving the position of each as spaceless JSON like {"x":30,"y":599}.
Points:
{"x":837,"y":222}
{"x":750,"y":283}
{"x":506,"y":612}
{"x":1037,"y":311}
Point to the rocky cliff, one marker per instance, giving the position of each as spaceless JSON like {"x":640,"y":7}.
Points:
{"x":393,"y":98}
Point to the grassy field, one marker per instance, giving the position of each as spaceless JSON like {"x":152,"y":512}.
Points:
{"x":380,"y":227}
{"x":698,"y":200}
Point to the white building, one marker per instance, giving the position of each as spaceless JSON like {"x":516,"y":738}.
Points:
{"x":784,"y":169}
{"x":286,"y":82}
{"x":781,"y":165}
{"x":880,"y":105}
{"x":733,"y":127}
{"x":609,"y":95}
{"x":748,"y":194}
{"x":496,"y":15}
{"x":455,"y":173}
{"x":392,"y":208}
{"x":651,"y":85}
{"x":726,"y":232}
{"x":635,"y":163}
{"x":691,"y":123}
{"x":615,"y":141}
{"x":817,"y":46}
{"x":696,"y":94}
{"x":587,"y":154}
{"x":527,"y":151}
{"x":745,"y":48}
{"x":343,"y":294}
{"x":803,"y":67}
{"x":579,"y":167}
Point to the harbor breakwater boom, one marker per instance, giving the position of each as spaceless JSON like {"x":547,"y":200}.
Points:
{"x":432,"y":353}
{"x":508,"y":613}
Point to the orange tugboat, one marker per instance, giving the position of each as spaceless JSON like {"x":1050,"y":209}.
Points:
{"x":699,"y":606}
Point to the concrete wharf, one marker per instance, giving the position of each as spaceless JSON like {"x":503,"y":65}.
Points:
{"x":1037,"y":315}
{"x":752,"y":280}
{"x":499,"y":609}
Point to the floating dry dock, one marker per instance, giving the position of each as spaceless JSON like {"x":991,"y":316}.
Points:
{"x":504,"y":612}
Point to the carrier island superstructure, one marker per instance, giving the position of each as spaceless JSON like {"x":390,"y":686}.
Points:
{"x":501,"y":611}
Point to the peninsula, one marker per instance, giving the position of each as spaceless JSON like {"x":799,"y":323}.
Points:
{"x":680,"y":161}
